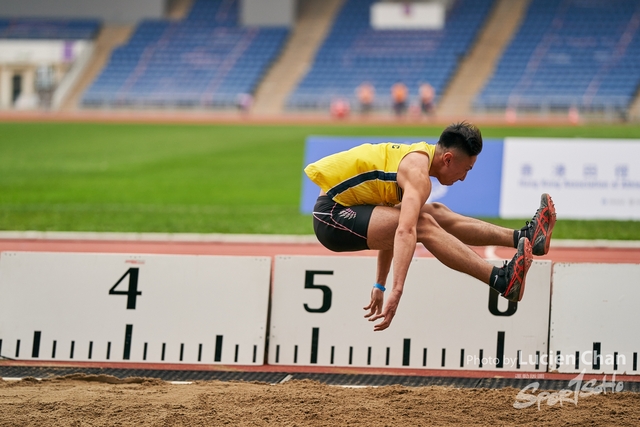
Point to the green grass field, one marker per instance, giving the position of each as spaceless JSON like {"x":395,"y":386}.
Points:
{"x":198,"y":178}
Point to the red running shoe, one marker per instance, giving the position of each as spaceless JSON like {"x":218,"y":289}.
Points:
{"x":516,"y":271}
{"x":540,"y":227}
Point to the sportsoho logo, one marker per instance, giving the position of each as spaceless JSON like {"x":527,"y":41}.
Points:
{"x":527,"y":396}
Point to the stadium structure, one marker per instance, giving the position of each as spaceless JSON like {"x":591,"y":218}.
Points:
{"x":277,"y":57}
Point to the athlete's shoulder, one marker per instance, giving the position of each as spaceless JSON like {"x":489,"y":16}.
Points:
{"x":426,"y":149}
{"x":422,"y":144}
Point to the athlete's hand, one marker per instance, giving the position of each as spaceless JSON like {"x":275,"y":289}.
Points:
{"x":387,"y":313}
{"x":377,"y":300}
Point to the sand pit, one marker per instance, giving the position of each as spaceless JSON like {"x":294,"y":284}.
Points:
{"x":103,"y":401}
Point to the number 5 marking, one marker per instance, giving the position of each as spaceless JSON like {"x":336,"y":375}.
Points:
{"x":132,"y":292}
{"x":326,"y":291}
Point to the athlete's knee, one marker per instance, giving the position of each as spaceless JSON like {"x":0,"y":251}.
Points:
{"x":427,"y":219}
{"x":437,"y":210}
{"x":441,"y":213}
{"x":426,"y":224}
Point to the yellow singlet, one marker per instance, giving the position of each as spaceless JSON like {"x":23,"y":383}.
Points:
{"x":366,"y":174}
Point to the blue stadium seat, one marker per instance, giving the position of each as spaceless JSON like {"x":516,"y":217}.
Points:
{"x":206,"y":60}
{"x":353,"y":53}
{"x":573,"y":53}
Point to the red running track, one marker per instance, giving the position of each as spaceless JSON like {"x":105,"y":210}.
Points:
{"x":562,"y":252}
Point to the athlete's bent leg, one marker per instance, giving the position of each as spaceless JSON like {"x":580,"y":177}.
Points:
{"x":452,"y":252}
{"x":444,"y":246}
{"x":470,"y":231}
{"x":475,"y":232}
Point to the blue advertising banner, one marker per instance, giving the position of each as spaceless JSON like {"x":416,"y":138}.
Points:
{"x":478,"y":195}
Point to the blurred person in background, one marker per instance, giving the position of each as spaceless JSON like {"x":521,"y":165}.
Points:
{"x":340,"y":108}
{"x":244,"y":102}
{"x":427,"y":98}
{"x":399,"y":95}
{"x":366,"y":94}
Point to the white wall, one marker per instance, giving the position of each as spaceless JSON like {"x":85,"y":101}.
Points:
{"x":40,"y":51}
{"x":268,"y":13}
{"x":408,"y":15}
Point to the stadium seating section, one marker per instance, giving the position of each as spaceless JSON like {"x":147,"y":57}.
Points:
{"x":569,"y":53}
{"x":573,"y":53}
{"x":205,"y":60}
{"x":354,"y":53}
{"x":58,"y":29}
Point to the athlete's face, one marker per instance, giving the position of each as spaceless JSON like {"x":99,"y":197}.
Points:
{"x":456,"y":165}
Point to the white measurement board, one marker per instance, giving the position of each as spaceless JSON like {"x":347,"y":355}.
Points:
{"x":445,"y":320}
{"x":137,"y":308}
{"x":594,"y":318}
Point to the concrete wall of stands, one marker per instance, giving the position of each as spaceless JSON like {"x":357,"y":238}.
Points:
{"x":111,"y":12}
{"x":252,"y":12}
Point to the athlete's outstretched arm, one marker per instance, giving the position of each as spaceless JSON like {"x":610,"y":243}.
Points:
{"x":413,"y":178}
{"x":377,"y":296}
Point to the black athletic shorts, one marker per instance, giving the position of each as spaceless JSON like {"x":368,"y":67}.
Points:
{"x":341,"y":228}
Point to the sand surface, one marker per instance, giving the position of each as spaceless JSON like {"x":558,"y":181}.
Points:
{"x":107,"y":401}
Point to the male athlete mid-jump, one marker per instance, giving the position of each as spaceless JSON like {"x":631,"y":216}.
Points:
{"x":374,"y":197}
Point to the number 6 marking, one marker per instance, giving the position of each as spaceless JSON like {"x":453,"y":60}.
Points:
{"x":493,"y":305}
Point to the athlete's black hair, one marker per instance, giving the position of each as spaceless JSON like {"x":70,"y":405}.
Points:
{"x":463,"y":136}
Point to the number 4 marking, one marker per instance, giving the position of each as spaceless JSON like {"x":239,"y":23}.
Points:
{"x":132,"y":292}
